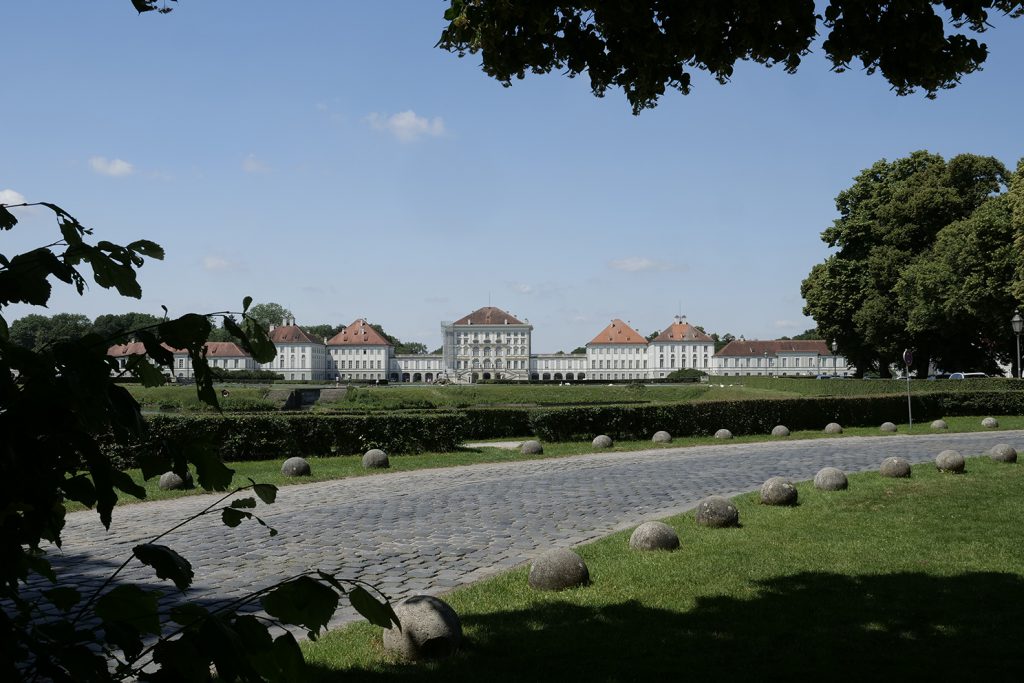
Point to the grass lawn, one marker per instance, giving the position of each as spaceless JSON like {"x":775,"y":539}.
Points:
{"x":323,"y":469}
{"x":912,"y":579}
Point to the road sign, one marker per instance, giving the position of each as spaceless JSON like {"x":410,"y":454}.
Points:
{"x":908,"y":358}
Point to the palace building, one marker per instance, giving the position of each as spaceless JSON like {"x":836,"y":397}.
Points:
{"x":490,"y":343}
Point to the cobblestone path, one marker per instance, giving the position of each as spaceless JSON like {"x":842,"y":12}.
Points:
{"x":432,"y":530}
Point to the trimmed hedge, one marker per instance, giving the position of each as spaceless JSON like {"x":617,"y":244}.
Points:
{"x":282,"y":435}
{"x":758,"y":417}
{"x":269,"y":437}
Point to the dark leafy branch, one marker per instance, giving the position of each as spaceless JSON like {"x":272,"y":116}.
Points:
{"x":57,"y":403}
{"x":648,"y":46}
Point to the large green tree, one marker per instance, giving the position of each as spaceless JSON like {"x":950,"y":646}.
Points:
{"x":37,"y":331}
{"x":890,"y":220}
{"x":960,"y":295}
{"x":1015,"y":198}
{"x":117,"y":327}
{"x":270,"y":313}
{"x":645,"y":47}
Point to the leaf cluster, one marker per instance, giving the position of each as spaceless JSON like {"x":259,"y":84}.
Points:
{"x":57,"y":403}
{"x":649,"y":46}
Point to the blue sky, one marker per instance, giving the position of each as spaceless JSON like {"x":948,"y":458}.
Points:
{"x":326,"y":156}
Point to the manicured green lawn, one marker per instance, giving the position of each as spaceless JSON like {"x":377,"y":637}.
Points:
{"x":323,"y":469}
{"x":916,"y":579}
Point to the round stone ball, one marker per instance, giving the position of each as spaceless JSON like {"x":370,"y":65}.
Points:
{"x":830,"y":479}
{"x":833,"y":428}
{"x":887,"y":427}
{"x":723,"y":434}
{"x":717,"y":512}
{"x":950,"y":461}
{"x":654,"y":536}
{"x":1003,"y":453}
{"x":295,"y":467}
{"x":780,"y":430}
{"x":430,"y":629}
{"x":557,"y":570}
{"x":940,"y":424}
{"x":375,"y":459}
{"x":531,"y":448}
{"x":662,"y":437}
{"x":897,"y":468}
{"x":778,"y":491}
{"x":990,"y":423}
{"x":602,"y":441}
{"x":170,"y":481}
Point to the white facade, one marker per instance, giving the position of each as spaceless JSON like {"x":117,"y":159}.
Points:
{"x":559,"y":366}
{"x":300,"y":356}
{"x":486,"y":344}
{"x":779,"y":358}
{"x":359,"y":352}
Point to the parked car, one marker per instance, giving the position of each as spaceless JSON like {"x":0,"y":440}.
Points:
{"x":968,"y":375}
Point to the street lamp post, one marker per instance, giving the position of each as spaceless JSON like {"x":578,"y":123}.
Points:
{"x":766,"y":364}
{"x":835,"y":361}
{"x":1017,"y":322}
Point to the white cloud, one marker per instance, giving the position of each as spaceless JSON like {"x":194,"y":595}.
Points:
{"x":111,"y":167}
{"x":786,"y":324}
{"x":639,"y":264}
{"x":407,"y":126}
{"x":217,"y":263}
{"x":524,"y":288}
{"x":251,"y":164}
{"x":9,"y":196}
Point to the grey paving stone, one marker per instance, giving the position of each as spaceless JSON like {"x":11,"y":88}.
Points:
{"x":431,"y":530}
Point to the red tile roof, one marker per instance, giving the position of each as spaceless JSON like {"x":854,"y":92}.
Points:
{"x":743,"y":347}
{"x":134,"y":349}
{"x":213,"y":349}
{"x":224,"y":349}
{"x":292,"y":334}
{"x":359,"y":333}
{"x":488,"y":315}
{"x":618,"y":332}
{"x":682,"y":331}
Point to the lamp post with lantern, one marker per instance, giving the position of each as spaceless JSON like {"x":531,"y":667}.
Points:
{"x":835,"y":360}
{"x":766,"y":372}
{"x":1017,"y":322}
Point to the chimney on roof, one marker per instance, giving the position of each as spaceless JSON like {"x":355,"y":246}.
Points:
{"x":272,"y":326}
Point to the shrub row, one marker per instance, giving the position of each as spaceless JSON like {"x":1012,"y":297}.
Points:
{"x":758,"y":417}
{"x":269,"y":437}
{"x":265,"y":436}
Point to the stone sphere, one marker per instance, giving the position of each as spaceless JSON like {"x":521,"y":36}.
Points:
{"x":830,"y":479}
{"x":778,"y":491}
{"x":888,"y":427}
{"x":170,"y":481}
{"x":833,"y":428}
{"x":950,"y":461}
{"x":375,"y":459}
{"x":780,"y":430}
{"x":723,"y":434}
{"x":1003,"y":453}
{"x":654,"y":536}
{"x":557,"y":570}
{"x":990,"y":422}
{"x":940,"y":424}
{"x":717,"y":512}
{"x":662,"y":437}
{"x":295,"y":467}
{"x":531,"y":448}
{"x":602,"y":441}
{"x":894,"y":467}
{"x":430,"y":629}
